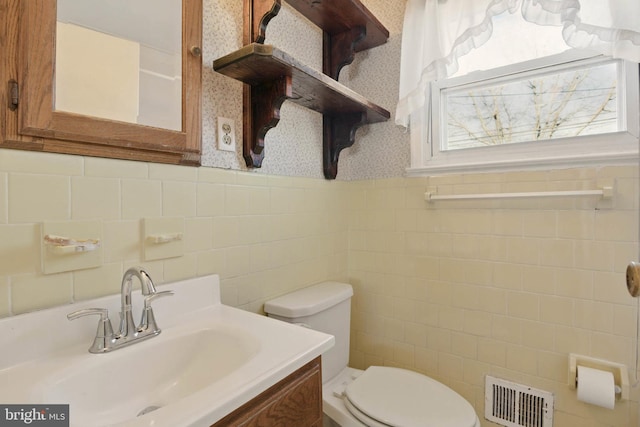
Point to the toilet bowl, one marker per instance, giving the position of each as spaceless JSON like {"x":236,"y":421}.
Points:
{"x":378,"y":396}
{"x":383,"y":397}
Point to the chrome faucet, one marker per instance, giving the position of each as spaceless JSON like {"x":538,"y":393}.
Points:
{"x":105,"y":340}
{"x":127,"y":326}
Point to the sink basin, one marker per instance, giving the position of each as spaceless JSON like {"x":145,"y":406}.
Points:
{"x":209,"y":360}
{"x":134,"y":381}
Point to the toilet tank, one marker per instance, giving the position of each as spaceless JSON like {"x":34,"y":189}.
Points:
{"x":324,"y":307}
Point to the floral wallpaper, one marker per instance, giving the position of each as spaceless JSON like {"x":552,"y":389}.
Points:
{"x":294,"y":146}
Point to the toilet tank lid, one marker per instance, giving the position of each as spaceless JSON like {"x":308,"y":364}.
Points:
{"x":310,"y":300}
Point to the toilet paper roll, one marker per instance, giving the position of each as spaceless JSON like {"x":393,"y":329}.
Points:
{"x":596,"y":387}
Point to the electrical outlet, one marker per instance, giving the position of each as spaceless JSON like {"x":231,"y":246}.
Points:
{"x":226,"y":134}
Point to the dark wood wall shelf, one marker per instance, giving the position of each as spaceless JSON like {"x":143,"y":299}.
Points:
{"x":275,"y":77}
{"x":272,"y":76}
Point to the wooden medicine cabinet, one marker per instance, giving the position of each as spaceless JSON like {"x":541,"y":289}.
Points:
{"x":29,"y":115}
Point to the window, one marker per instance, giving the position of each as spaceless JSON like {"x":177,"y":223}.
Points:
{"x":557,"y":109}
{"x":564,"y":101}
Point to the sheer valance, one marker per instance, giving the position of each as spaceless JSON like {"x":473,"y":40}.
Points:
{"x":437,"y":33}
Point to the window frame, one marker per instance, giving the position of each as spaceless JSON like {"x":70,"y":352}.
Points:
{"x":609,"y":148}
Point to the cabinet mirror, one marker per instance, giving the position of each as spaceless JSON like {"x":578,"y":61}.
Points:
{"x":120,"y":60}
{"x":114,"y":78}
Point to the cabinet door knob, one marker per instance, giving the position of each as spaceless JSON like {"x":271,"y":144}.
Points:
{"x":633,"y":279}
{"x":195,"y":51}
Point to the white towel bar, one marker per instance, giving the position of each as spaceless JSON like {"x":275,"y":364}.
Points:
{"x":605,"y":193}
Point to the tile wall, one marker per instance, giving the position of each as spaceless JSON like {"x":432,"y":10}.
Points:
{"x":264,"y":235}
{"x":458,"y":290}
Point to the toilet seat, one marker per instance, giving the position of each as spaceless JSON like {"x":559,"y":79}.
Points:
{"x":393,"y":397}
{"x":363,"y":418}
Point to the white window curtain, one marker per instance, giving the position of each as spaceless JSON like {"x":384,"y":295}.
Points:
{"x":437,"y":33}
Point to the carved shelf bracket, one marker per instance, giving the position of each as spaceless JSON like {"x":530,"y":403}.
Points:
{"x":339,"y":50}
{"x":339,"y":133}
{"x":264,"y":114}
{"x":258,"y":13}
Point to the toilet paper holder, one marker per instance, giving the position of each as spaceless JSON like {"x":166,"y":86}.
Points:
{"x":619,"y":371}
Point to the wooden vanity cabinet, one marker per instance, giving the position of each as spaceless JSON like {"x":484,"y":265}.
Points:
{"x":29,"y":121}
{"x":294,"y":401}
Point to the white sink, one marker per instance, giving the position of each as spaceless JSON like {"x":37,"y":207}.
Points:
{"x":208,"y":360}
{"x":151,"y":375}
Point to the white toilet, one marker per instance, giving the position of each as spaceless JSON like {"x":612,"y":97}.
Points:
{"x":378,"y":396}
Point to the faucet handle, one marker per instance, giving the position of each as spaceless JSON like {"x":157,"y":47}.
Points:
{"x":102,"y":312}
{"x":148,"y":321}
{"x":149,"y":298}
{"x":104,"y":333}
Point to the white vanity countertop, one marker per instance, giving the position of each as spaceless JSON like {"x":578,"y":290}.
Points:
{"x":41,"y":349}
